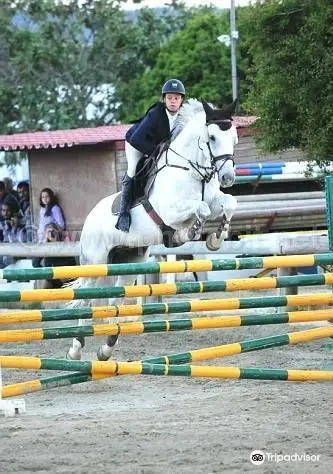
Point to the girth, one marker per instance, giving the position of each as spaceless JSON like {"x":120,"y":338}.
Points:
{"x":167,"y":231}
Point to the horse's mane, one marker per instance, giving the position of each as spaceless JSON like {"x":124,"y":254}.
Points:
{"x":189,"y":109}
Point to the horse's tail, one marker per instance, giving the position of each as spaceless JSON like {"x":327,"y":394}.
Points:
{"x":89,"y":255}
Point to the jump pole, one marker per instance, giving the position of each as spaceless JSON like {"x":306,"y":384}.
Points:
{"x":161,"y":289}
{"x":144,"y":368}
{"x":200,"y":265}
{"x":102,"y":312}
{"x":92,"y":367}
{"x":46,"y":383}
{"x":135,"y":328}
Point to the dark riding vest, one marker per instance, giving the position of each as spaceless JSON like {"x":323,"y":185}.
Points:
{"x":150,"y":130}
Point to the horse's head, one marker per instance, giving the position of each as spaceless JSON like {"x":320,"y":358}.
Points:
{"x":221,"y":139}
{"x":205,"y":138}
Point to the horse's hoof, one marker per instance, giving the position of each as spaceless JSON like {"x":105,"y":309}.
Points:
{"x":101,"y":356}
{"x":71,"y":355}
{"x":213,"y":243}
{"x":190,"y":234}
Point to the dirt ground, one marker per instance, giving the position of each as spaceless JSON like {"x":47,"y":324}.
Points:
{"x":148,"y":424}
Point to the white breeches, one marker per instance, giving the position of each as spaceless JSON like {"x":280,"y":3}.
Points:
{"x":133,"y":157}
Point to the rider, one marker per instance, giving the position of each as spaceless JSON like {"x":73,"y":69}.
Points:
{"x":143,"y":138}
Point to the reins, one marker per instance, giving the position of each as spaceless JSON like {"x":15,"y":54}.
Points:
{"x":205,"y":172}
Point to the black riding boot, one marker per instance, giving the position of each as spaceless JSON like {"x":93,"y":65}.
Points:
{"x":124,"y":219}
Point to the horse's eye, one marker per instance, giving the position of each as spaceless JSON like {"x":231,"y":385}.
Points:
{"x":212,"y":137}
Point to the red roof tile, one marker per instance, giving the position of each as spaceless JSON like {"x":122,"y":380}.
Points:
{"x":76,"y":137}
{"x":63,"y":138}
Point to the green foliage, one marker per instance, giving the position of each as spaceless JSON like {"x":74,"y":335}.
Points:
{"x":65,"y":57}
{"x":150,"y":33}
{"x":55,"y":62}
{"x":291,"y":42}
{"x":193,"y":55}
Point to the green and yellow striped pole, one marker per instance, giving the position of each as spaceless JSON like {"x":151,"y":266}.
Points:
{"x":48,"y":383}
{"x":116,"y":269}
{"x":244,"y":346}
{"x":196,"y":305}
{"x":144,"y":368}
{"x":208,"y":353}
{"x":329,"y":208}
{"x":134,"y":328}
{"x":166,"y":289}
{"x":86,"y":373}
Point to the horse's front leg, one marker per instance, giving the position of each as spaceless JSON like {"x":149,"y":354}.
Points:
{"x":188,"y":217}
{"x":222,"y":207}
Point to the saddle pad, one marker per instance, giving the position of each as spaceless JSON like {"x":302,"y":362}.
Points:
{"x":116,"y":204}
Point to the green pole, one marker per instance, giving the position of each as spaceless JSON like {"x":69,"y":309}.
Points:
{"x":329,"y":208}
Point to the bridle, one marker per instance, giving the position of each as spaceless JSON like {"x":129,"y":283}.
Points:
{"x":205,"y":172}
{"x":215,"y":159}
{"x":223,"y":125}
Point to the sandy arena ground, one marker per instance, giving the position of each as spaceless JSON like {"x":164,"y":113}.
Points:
{"x":149,"y":424}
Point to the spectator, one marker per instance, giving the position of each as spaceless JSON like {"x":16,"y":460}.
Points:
{"x":23,"y":192}
{"x":53,"y":233}
{"x":10,"y":230}
{"x":25,"y":210}
{"x":50,"y":212}
{"x":4,"y":196}
{"x":3,"y":193}
{"x":8,"y":182}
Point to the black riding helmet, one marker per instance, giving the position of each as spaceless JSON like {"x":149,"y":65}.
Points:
{"x":173,"y":86}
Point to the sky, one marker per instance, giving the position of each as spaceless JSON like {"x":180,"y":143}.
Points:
{"x":195,"y":3}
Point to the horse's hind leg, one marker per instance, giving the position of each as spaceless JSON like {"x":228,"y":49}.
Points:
{"x":78,"y":343}
{"x":100,"y":257}
{"x":104,"y":352}
{"x":125,"y":255}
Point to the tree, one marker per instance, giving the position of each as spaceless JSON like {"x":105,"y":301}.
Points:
{"x":63,"y":62}
{"x":56,"y":57}
{"x":193,"y":55}
{"x":291,"y":42}
{"x":151,"y":32}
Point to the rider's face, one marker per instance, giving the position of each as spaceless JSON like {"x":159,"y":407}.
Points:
{"x":173,"y":102}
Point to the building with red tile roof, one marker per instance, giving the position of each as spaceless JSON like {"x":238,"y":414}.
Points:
{"x":84,"y":165}
{"x":80,"y":137}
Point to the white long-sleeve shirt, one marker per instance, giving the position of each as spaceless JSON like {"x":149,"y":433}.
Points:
{"x":172,"y":119}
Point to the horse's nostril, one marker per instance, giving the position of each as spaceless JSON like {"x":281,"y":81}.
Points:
{"x":227,"y":182}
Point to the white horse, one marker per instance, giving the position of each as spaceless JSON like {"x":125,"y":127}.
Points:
{"x":184,"y":193}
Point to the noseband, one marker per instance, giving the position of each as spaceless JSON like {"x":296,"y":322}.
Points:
{"x":206,"y":172}
{"x":223,"y":125}
{"x":215,"y":159}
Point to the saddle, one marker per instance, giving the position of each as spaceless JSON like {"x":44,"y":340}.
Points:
{"x":143,"y":180}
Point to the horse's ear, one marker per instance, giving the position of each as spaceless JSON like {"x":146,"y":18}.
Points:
{"x":229,"y":110}
{"x":207,"y":108}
